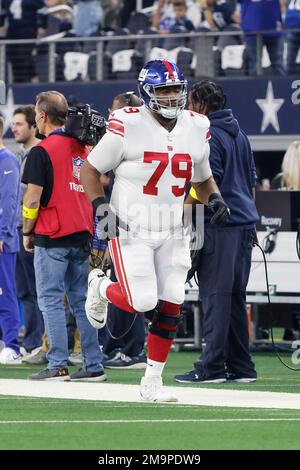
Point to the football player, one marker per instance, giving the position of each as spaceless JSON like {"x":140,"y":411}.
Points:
{"x":155,"y":150}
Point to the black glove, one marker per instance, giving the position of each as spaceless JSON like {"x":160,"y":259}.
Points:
{"x":221,"y":211}
{"x":108,"y":222}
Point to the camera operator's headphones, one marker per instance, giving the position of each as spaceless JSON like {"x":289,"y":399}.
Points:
{"x":269,"y":242}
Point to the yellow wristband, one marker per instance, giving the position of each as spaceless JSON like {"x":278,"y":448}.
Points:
{"x":30,"y":213}
{"x":193,"y":194}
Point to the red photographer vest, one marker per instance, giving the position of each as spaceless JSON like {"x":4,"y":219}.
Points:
{"x":68,"y":210}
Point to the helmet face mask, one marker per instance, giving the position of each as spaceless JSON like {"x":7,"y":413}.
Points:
{"x":156,"y":80}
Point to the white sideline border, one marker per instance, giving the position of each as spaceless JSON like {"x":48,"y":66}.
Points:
{"x":130,"y":394}
{"x":148,"y":421}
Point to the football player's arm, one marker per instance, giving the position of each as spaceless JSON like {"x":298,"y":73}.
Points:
{"x":105,"y":156}
{"x":190,"y":199}
{"x":90,"y":178}
{"x":212,"y":152}
{"x":205,"y":189}
{"x":208,"y":192}
{"x":203,"y":184}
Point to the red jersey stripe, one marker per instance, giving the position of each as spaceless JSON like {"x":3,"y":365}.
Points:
{"x":116,"y":120}
{"x":208,"y":135}
{"x":116,"y":126}
{"x":115,"y":132}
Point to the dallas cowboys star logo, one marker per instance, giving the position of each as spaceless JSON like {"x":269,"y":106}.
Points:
{"x":270,"y":107}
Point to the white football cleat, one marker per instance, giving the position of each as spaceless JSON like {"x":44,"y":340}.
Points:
{"x":9,"y":356}
{"x":151,"y":391}
{"x":96,"y":305}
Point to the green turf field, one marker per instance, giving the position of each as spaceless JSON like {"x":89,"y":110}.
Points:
{"x":75,"y":424}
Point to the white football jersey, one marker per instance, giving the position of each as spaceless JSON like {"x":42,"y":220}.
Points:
{"x":152,"y":166}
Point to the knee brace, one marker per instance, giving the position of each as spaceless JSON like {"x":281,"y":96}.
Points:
{"x":164,"y":319}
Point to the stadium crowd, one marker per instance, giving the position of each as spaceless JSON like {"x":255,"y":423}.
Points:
{"x":48,"y":20}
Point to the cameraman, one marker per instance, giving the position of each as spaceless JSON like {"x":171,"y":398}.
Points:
{"x":58,"y":224}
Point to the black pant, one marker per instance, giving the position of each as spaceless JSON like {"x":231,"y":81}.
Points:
{"x":26,"y":292}
{"x":223,"y":274}
{"x":275,"y":50}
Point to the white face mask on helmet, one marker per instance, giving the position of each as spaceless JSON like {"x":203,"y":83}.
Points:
{"x":168,"y":106}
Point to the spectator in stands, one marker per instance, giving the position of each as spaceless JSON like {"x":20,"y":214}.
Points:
{"x":22,"y":24}
{"x":221,"y":15}
{"x":289,"y":178}
{"x":218,"y":15}
{"x":128,"y":7}
{"x":89,"y":17}
{"x":164,"y":14}
{"x":58,"y":224}
{"x":259,"y":15}
{"x":2,"y":26}
{"x":292,"y":21}
{"x":225,"y":260}
{"x":181,"y":22}
{"x":56,"y":17}
{"x":9,"y":246}
{"x":110,"y":14}
{"x":127,"y":351}
{"x":23,"y":128}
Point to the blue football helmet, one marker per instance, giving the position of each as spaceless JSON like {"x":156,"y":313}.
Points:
{"x":158,"y":74}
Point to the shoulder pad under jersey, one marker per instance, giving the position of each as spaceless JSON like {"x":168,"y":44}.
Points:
{"x":200,"y":121}
{"x":122,"y":117}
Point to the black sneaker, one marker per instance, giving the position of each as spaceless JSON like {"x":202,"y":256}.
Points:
{"x":243,"y":379}
{"x":195,"y":376}
{"x":121,"y":361}
{"x":82,"y":375}
{"x":114,"y":353}
{"x":61,"y":374}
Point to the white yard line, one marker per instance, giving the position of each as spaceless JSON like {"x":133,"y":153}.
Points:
{"x":147,"y":421}
{"x":130,"y":393}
